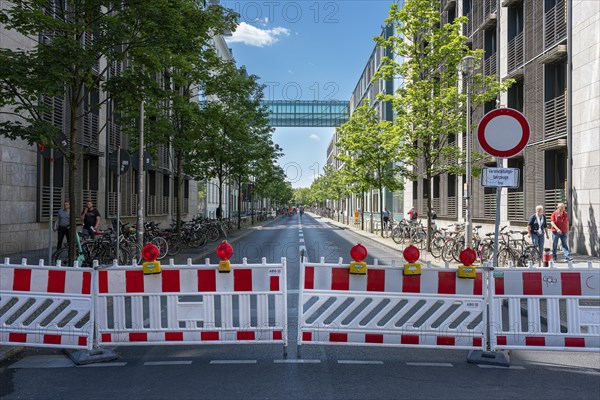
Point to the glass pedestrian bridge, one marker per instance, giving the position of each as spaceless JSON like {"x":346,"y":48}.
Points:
{"x":307,"y":113}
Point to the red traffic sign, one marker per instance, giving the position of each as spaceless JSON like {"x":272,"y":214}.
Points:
{"x":358,"y":252}
{"x":503,"y":132}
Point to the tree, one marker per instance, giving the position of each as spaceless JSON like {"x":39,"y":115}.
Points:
{"x":65,"y":66}
{"x":369,"y":149}
{"x":427,"y":105}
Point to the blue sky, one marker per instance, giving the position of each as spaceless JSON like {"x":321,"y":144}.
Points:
{"x":310,"y":50}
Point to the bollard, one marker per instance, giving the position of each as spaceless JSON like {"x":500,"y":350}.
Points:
{"x":547,"y":257}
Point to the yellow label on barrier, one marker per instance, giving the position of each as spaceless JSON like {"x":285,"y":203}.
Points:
{"x":151,"y":267}
{"x":467,"y":271}
{"x":359,"y":268}
{"x":224,"y":266}
{"x":412,"y":269}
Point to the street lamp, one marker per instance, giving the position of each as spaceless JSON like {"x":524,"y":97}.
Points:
{"x":467,"y":68}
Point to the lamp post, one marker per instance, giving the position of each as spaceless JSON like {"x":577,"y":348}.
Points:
{"x":467,"y":69}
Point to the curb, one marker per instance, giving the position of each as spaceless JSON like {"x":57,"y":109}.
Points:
{"x":7,"y":352}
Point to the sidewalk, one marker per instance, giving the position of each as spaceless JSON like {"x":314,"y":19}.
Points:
{"x":426,"y":257}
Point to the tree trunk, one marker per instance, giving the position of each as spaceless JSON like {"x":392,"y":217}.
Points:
{"x":239,"y":207}
{"x":179,"y":190}
{"x":429,"y":205}
{"x":362,"y":212}
{"x":72,"y":162}
{"x":381,"y":208}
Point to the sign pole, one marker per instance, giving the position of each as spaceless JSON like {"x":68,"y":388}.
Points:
{"x":118,"y":226}
{"x":496,"y":228}
{"x":51,"y":206}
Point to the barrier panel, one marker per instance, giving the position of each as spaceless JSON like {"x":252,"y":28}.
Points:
{"x":545,"y":309}
{"x":45,"y":306}
{"x":193,"y":304}
{"x":385,"y":308}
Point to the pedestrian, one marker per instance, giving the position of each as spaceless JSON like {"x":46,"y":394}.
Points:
{"x":386,"y":217}
{"x":62,"y":223}
{"x":91,"y":219}
{"x":412,"y":214}
{"x":537,"y":228}
{"x":560,"y":229}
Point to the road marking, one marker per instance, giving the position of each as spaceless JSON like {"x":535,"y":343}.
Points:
{"x":499,"y":366}
{"x":429,"y":364}
{"x":301,"y":240}
{"x":168,"y":363}
{"x":589,"y":371}
{"x":359,"y":362}
{"x":297,"y":361}
{"x":109,"y":364}
{"x":301,"y":234}
{"x":233,"y":362}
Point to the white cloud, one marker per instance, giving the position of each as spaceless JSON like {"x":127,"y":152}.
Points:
{"x":314,"y":137}
{"x":253,"y":36}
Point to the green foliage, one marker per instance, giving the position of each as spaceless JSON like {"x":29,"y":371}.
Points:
{"x":369,"y":150}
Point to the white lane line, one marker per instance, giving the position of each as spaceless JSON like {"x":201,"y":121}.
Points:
{"x":301,"y":234}
{"x":233,"y":362}
{"x":298,"y":361}
{"x":499,"y":366}
{"x":302,"y":248}
{"x":108,"y":364}
{"x":589,"y":371}
{"x":301,"y":240}
{"x":168,"y":363}
{"x":359,"y":362}
{"x":429,"y":364}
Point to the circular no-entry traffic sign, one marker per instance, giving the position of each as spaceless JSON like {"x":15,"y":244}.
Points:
{"x":503,"y":132}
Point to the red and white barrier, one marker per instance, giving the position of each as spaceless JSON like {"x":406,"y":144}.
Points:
{"x":385,"y":308}
{"x":45,"y":306}
{"x":193,"y":304}
{"x":549,"y":309}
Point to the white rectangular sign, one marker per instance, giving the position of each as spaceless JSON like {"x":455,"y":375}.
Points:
{"x":500,"y":177}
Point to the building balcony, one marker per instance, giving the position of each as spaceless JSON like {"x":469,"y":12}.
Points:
{"x":516,"y":206}
{"x":468,"y":26}
{"x":490,"y":65}
{"x":552,"y":197}
{"x":555,"y":25}
{"x":555,"y":117}
{"x":489,"y":206}
{"x":515,"y":53}
{"x":88,"y":131}
{"x":57,"y":202}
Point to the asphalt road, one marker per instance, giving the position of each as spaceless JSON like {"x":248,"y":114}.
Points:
{"x":327,"y":372}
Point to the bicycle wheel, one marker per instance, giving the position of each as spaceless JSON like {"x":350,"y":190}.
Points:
{"x":163,"y":246}
{"x":397,"y":236}
{"x":447,"y":250}
{"x":486,"y":252}
{"x":437,"y":245}
{"x":61,"y":255}
{"x":504,"y":257}
{"x":175,"y":245}
{"x":212,"y":233}
{"x":530,"y":254}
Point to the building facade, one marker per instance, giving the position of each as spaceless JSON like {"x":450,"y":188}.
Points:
{"x":552,"y":49}
{"x":367,"y":90}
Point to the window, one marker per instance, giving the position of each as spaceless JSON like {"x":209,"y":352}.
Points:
{"x":517,"y":163}
{"x":415,"y":190}
{"x":555,"y":169}
{"x":515,"y":96}
{"x":515,"y":21}
{"x":490,"y":42}
{"x":425,"y":188}
{"x":554,"y":80}
{"x":451,"y":185}
{"x":436,"y":187}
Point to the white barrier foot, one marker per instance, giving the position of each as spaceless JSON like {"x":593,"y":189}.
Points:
{"x":500,"y":358}
{"x":82,"y":357}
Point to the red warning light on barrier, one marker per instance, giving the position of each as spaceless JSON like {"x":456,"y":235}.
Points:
{"x":358,"y":254}
{"x":467,"y":256}
{"x":224,"y":252}
{"x":411,"y":254}
{"x":467,"y":270}
{"x":150,"y":253}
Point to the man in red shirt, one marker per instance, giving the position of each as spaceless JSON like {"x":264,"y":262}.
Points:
{"x":560,"y":229}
